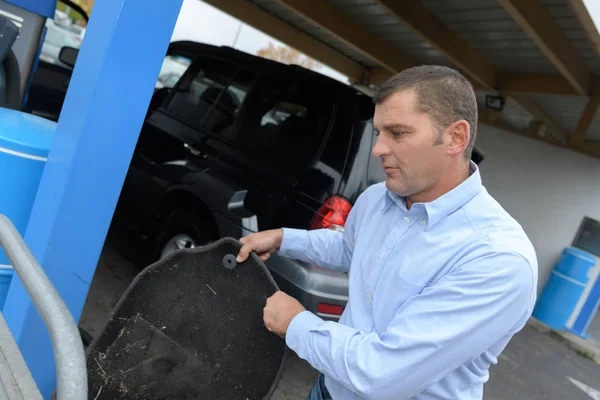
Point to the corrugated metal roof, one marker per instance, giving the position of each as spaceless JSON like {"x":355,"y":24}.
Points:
{"x":564,"y":110}
{"x":488,"y":28}
{"x":566,"y":19}
{"x":375,"y":19}
{"x":484,"y":24}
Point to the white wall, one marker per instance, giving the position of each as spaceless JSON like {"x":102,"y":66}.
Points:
{"x":547,"y":189}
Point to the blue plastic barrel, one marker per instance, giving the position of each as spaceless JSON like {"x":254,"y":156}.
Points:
{"x":6,"y":274}
{"x":25,"y":141}
{"x":564,"y":288}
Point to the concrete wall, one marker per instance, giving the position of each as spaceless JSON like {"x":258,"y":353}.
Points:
{"x":547,"y":189}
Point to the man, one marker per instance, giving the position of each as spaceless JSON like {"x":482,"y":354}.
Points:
{"x":440,"y":276}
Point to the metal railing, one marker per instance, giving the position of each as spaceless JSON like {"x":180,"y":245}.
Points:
{"x":69,"y":356}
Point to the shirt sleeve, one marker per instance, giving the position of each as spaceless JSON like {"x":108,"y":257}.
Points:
{"x":323,"y":248}
{"x":433,"y":333}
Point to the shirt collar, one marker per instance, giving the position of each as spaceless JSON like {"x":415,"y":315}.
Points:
{"x":446,"y":204}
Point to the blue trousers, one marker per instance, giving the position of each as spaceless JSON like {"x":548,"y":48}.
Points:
{"x":319,"y":391}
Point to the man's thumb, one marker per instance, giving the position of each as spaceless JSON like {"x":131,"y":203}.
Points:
{"x":243,"y":254}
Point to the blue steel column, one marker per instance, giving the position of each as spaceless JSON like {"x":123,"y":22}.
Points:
{"x":103,"y":112}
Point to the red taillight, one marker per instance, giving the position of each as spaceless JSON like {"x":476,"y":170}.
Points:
{"x":329,"y":309}
{"x":332,"y":214}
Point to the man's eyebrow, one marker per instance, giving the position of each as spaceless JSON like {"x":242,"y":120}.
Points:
{"x":396,"y":126}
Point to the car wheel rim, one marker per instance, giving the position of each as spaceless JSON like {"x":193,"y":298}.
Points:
{"x":178,"y":242}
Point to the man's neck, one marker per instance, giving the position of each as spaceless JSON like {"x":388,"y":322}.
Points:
{"x":450,"y":181}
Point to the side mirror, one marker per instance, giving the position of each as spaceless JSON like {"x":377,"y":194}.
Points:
{"x":68,"y":56}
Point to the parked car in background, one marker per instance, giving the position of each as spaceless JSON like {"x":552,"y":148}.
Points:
{"x":241,"y":144}
{"x":51,"y":78}
{"x":60,"y":32}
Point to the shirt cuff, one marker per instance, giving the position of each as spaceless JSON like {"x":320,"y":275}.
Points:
{"x":299,"y":329}
{"x":295,"y":241}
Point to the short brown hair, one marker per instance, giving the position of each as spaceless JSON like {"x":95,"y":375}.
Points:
{"x":442,"y":92}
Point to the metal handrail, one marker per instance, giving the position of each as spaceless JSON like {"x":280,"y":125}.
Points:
{"x":69,"y":356}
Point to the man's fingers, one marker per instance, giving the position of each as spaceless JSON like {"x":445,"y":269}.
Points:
{"x":244,"y":253}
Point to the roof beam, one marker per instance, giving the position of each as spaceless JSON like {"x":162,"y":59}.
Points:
{"x":585,"y":120}
{"x":591,"y":147}
{"x":288,"y":34}
{"x":377,"y":76}
{"x":353,"y":34}
{"x":542,"y":84}
{"x":547,"y":35}
{"x":424,"y":23}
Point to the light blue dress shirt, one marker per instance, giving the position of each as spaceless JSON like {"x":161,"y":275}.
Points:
{"x":435,"y":294}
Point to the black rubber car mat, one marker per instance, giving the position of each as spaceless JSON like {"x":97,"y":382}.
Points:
{"x":190,"y":327}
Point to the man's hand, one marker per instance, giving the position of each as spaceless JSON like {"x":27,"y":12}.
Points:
{"x":279,"y":312}
{"x":263,"y":243}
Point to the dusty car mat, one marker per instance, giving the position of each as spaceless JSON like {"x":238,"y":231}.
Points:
{"x":190,"y":327}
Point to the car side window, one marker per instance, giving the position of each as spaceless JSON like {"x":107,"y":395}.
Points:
{"x":199,"y":90}
{"x":221,"y":118}
{"x":172,"y":69}
{"x":284,"y":121}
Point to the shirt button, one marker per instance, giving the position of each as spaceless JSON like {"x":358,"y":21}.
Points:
{"x":423,"y":222}
{"x":369,"y":295}
{"x":382,"y":255}
{"x":406,"y":219}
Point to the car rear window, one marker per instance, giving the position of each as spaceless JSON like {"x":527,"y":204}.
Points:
{"x":284,"y":121}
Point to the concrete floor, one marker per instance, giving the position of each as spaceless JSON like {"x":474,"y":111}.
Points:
{"x":534,"y":366}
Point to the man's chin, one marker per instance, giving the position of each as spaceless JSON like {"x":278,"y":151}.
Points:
{"x":394,"y":187}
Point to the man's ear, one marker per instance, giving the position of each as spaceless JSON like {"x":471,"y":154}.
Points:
{"x":459,"y":133}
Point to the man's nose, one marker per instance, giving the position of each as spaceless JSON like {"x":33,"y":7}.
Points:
{"x":381,"y":148}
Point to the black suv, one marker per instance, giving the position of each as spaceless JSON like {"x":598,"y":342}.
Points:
{"x":241,"y":144}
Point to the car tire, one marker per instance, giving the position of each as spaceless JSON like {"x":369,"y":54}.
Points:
{"x":181,"y":229}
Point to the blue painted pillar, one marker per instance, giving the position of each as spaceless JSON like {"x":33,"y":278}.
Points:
{"x":110,"y":90}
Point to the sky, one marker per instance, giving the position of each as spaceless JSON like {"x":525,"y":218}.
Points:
{"x":201,"y":22}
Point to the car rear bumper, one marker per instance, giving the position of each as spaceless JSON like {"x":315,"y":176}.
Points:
{"x":310,"y":285}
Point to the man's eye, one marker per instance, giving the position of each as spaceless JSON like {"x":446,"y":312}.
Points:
{"x":398,"y":133}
